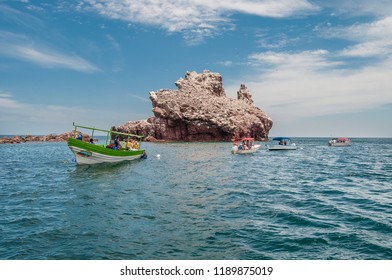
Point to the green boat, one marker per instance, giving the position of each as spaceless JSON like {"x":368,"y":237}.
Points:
{"x":90,"y":153}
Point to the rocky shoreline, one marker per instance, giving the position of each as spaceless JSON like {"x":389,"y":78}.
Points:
{"x":46,"y":138}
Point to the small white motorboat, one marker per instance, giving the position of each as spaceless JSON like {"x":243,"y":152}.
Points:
{"x":339,"y":142}
{"x":244,"y":146}
{"x":283,"y":144}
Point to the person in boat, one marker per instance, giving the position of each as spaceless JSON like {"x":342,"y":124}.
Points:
{"x":132,"y":145}
{"x":129,"y":145}
{"x":91,"y":141}
{"x":281,"y":142}
{"x":80,"y":136}
{"x":135,"y":144}
{"x":116,"y":143}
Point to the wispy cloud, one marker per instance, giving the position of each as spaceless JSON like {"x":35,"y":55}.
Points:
{"x":20,"y":18}
{"x":352,"y":8}
{"x":371,"y":39}
{"x":19,"y":47}
{"x":276,"y":40}
{"x":16,"y":116}
{"x":52,"y":59}
{"x":113,"y":42}
{"x":267,"y":8}
{"x":144,"y":99}
{"x":306,"y":60}
{"x":195,"y":19}
{"x":7,"y":101}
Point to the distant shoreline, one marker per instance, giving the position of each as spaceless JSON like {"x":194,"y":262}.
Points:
{"x":19,"y":139}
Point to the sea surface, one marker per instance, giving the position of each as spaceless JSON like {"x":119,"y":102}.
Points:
{"x":198,"y":201}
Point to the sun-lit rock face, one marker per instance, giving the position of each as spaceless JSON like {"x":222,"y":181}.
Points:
{"x":199,"y":110}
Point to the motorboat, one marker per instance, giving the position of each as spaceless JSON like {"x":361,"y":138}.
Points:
{"x":282,"y":144}
{"x":339,"y":142}
{"x":111,"y":152}
{"x":244,"y":146}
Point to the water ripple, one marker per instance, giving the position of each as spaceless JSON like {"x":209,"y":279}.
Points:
{"x":197,"y":201}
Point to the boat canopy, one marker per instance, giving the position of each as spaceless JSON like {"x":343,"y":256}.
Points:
{"x":342,"y":139}
{"x":243,"y":139}
{"x":109,"y":132}
{"x":280,"y":138}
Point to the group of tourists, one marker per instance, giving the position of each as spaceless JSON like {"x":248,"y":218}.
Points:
{"x":282,"y":142}
{"x":245,"y":145}
{"x":131,"y":144}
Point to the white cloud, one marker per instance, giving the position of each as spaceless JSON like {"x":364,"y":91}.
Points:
{"x":319,"y":82}
{"x":371,"y":39}
{"x":17,"y":117}
{"x":267,"y":8}
{"x":295,"y":87}
{"x":18,"y":46}
{"x":52,"y":59}
{"x":368,"y":49}
{"x":196,"y":19}
{"x":7,"y":101}
{"x":5,"y":94}
{"x":309,"y":83}
{"x":313,"y":60}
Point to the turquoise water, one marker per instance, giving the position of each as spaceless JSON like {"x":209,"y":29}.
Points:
{"x":199,"y":202}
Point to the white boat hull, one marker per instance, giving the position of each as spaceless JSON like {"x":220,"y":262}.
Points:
{"x":87,"y":157}
{"x":281,"y":147}
{"x":250,"y":151}
{"x":340,"y":144}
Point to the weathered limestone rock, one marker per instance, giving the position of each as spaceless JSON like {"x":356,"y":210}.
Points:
{"x":200,"y":111}
{"x":244,"y":94}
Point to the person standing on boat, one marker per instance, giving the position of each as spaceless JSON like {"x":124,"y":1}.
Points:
{"x":116,"y":143}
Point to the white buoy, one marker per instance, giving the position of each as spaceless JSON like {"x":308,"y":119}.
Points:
{"x":158,"y":156}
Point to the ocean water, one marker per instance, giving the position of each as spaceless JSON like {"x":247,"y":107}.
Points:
{"x":198,"y":201}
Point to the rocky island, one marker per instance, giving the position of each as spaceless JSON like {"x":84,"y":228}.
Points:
{"x":199,"y":110}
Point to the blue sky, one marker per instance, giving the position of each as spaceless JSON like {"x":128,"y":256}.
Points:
{"x":317,"y":68}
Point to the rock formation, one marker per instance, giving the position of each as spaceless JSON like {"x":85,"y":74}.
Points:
{"x":47,"y":138}
{"x":200,"y":111}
